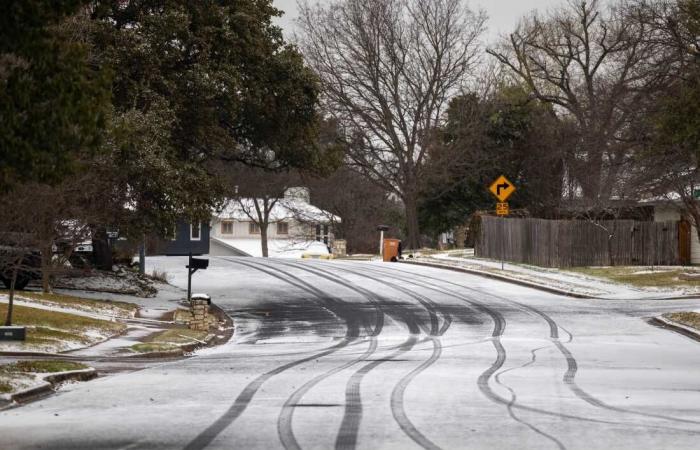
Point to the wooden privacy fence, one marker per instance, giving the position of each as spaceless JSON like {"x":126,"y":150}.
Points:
{"x":572,"y":243}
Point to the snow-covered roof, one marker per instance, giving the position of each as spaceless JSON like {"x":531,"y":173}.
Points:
{"x":277,"y":248}
{"x":284,"y":209}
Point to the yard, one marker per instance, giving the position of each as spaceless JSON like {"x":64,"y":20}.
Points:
{"x":54,"y":331}
{"x":642,"y":276}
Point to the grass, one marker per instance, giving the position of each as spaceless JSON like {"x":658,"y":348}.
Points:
{"x":690,"y":319}
{"x":630,"y":275}
{"x":42,"y":366}
{"x":179,"y":336}
{"x":20,"y":374}
{"x":169,"y":340}
{"x":55,"y":329}
{"x":161,"y":275}
{"x":5,"y":387}
{"x":153,"y":347}
{"x":74,"y":302}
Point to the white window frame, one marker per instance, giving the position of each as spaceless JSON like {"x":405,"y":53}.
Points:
{"x":199,"y":227}
{"x":226,"y":222}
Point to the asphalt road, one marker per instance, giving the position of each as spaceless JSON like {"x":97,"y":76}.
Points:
{"x":372,"y":355}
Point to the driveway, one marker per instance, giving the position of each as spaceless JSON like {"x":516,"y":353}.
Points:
{"x":339,"y":354}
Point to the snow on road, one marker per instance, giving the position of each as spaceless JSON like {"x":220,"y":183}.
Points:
{"x":374,"y":355}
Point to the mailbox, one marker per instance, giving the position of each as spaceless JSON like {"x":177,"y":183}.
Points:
{"x":198,"y":263}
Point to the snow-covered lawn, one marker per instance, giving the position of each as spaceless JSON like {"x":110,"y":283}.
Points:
{"x":72,"y":304}
{"x":611,"y":282}
{"x":49,"y":330}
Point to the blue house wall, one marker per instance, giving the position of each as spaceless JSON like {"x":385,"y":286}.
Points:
{"x":183,"y":243}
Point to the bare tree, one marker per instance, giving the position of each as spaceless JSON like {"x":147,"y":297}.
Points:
{"x":19,"y":263}
{"x":595,"y":65}
{"x":360,"y":205}
{"x":387,"y":70}
{"x":256,"y":193}
{"x":48,"y":222}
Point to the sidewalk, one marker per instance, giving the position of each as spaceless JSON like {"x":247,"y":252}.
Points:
{"x":556,"y":280}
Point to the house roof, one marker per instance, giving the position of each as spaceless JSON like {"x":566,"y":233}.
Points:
{"x":284,"y":209}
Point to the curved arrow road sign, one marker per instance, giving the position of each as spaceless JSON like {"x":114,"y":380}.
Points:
{"x":502,"y":188}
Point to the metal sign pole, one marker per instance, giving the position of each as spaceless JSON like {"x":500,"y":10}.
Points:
{"x":503,"y":245}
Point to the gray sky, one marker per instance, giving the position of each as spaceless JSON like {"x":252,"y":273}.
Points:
{"x":503,"y":14}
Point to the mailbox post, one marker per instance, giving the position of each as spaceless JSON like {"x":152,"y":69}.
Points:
{"x":193,"y":265}
{"x":381,"y":229}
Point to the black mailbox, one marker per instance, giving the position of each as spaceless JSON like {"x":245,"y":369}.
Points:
{"x":198,"y":263}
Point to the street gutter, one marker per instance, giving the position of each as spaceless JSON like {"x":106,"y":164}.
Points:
{"x":685,"y":330}
{"x":46,"y":387}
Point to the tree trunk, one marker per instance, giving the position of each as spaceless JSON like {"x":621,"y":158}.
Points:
{"x":101,"y":250}
{"x":11,"y":300}
{"x":412,"y":227}
{"x":263,"y":239}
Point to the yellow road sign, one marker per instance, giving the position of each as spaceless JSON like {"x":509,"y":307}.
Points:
{"x":502,"y":188}
{"x":502,"y":209}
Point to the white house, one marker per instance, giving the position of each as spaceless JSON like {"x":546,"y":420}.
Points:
{"x":296,"y":227}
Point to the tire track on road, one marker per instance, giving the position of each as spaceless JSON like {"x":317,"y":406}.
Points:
{"x":350,"y":425}
{"x":244,"y":397}
{"x":431,"y":307}
{"x":513,"y":399}
{"x":572,"y":365}
{"x":398,"y":409}
{"x":285,"y":420}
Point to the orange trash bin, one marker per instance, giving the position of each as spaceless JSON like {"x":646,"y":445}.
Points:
{"x":391,"y":249}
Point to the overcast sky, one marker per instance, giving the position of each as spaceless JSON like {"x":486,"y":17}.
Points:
{"x":503,"y":14}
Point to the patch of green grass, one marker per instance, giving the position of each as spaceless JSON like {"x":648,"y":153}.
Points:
{"x":660,"y":277}
{"x":52,"y":330}
{"x":179,"y":336}
{"x":75,"y":302}
{"x":153,"y":347}
{"x":5,"y":388}
{"x":23,"y":315}
{"x":687,"y":318}
{"x":43,"y":366}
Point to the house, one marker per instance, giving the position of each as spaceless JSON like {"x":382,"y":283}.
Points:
{"x":295,"y":227}
{"x":185,"y":238}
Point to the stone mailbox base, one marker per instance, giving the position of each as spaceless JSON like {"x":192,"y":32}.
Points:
{"x":200,"y":309}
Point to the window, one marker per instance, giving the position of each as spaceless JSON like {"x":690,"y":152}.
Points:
{"x":227,"y":227}
{"x":195,"y":232}
{"x":282,"y":228}
{"x":253,"y":228}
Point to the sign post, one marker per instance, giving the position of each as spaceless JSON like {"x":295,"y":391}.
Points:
{"x":502,"y":189}
{"x":193,"y":265}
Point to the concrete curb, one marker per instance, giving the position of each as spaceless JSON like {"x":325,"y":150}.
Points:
{"x":685,"y":330}
{"x":504,"y":278}
{"x":48,"y":384}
